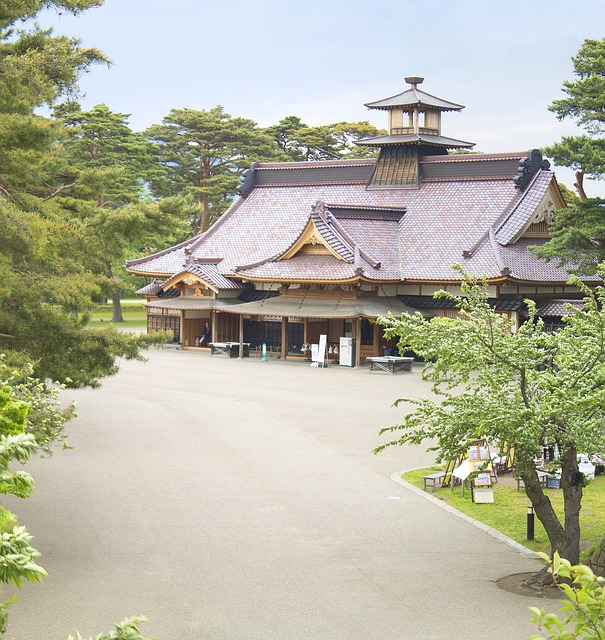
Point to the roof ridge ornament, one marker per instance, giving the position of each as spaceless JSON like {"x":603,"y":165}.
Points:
{"x":414,"y":81}
{"x":528,"y":167}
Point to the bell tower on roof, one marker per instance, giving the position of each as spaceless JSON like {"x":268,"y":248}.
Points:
{"x":414,"y":131}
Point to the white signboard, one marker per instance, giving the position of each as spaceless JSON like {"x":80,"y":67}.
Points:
{"x":321,"y":356}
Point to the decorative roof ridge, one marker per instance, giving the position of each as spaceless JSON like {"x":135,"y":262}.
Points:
{"x":469,"y":253}
{"x":314,"y":164}
{"x":359,"y":207}
{"x":504,"y":270}
{"x":327,"y":217}
{"x":473,"y":157}
{"x":253,"y":265}
{"x":321,"y":183}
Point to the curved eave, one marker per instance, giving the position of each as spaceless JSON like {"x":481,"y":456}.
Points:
{"x":353,"y":280}
{"x":436,"y":141}
{"x":453,"y":281}
{"x":411,"y":98}
{"x":150,"y":274}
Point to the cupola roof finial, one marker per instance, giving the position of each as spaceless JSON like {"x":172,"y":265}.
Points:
{"x":414,"y":81}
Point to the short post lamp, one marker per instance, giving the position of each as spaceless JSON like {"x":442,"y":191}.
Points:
{"x":530,"y":522}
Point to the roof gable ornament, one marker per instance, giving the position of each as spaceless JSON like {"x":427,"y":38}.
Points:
{"x":528,"y":167}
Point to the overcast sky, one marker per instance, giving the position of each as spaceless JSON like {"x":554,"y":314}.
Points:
{"x":323,"y":59}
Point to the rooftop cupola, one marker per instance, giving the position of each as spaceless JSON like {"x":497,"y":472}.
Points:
{"x":414,"y":130}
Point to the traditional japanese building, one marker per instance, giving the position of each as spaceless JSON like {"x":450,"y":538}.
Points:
{"x":312,"y":248}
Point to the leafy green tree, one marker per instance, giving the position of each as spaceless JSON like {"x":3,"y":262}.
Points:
{"x":584,"y":103}
{"x":111,"y":166}
{"x":128,"y":629}
{"x":525,"y":388}
{"x":583,"y":610}
{"x":204,"y":154}
{"x":577,"y":237}
{"x":300,"y":142}
{"x":46,"y":415}
{"x":45,"y":274}
{"x":17,"y":556}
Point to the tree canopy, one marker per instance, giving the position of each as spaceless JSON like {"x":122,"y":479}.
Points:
{"x":584,"y":103}
{"x":578,"y":232}
{"x":524,"y":388}
{"x":203,"y":154}
{"x":48,"y":279}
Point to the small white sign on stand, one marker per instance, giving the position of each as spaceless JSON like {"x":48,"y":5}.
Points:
{"x":318,"y":352}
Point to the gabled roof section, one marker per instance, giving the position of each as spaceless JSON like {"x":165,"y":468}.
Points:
{"x":206,"y":274}
{"x":155,"y":289}
{"x":323,"y":229}
{"x":537,"y":203}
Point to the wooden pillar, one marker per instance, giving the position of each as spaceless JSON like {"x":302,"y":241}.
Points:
{"x":182,"y":331}
{"x":378,"y":331}
{"x":306,"y":330}
{"x":357,"y":336}
{"x":213,"y":327}
{"x":284,"y":337}
{"x":241,"y":335}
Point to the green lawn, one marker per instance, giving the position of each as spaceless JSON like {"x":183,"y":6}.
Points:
{"x":508,"y":514}
{"x":133,"y":311}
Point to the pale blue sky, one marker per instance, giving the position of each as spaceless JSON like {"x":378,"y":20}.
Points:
{"x":323,"y":59}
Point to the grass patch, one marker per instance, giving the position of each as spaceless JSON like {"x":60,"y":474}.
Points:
{"x":133,"y":312}
{"x":508,"y":514}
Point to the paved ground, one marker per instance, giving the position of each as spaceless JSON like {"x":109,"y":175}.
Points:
{"x":229,"y":499}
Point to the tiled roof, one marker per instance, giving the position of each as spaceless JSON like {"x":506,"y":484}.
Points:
{"x":154,"y":288}
{"x":430,"y":302}
{"x":412,"y":97}
{"x":557,"y":306}
{"x":442,"y":220}
{"x":211,"y":274}
{"x":524,"y":265}
{"x":413,"y":138}
{"x":519,"y":214}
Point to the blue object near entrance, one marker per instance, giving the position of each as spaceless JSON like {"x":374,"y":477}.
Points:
{"x":264,"y":358}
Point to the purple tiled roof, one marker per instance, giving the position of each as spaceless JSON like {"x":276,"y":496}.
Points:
{"x":557,"y":306}
{"x":516,"y":218}
{"x":442,"y":219}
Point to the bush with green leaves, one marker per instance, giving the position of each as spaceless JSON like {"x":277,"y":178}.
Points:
{"x":582,"y":615}
{"x":128,"y":629}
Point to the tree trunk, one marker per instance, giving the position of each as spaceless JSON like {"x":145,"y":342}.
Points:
{"x":597,"y":562}
{"x":572,"y":482}
{"x":116,"y":298}
{"x":564,"y":538}
{"x":579,"y":185}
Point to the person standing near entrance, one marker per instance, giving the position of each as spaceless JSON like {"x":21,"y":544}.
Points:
{"x":205,"y":339}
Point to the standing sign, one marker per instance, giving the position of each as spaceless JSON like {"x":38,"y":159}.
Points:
{"x":480,"y":460}
{"x":321,"y":356}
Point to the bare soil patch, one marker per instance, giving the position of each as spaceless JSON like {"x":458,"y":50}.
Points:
{"x":517,"y":584}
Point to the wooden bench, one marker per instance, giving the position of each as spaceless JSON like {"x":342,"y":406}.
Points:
{"x":542,"y":477}
{"x":433,"y":479}
{"x":229,"y":349}
{"x":390,"y":364}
